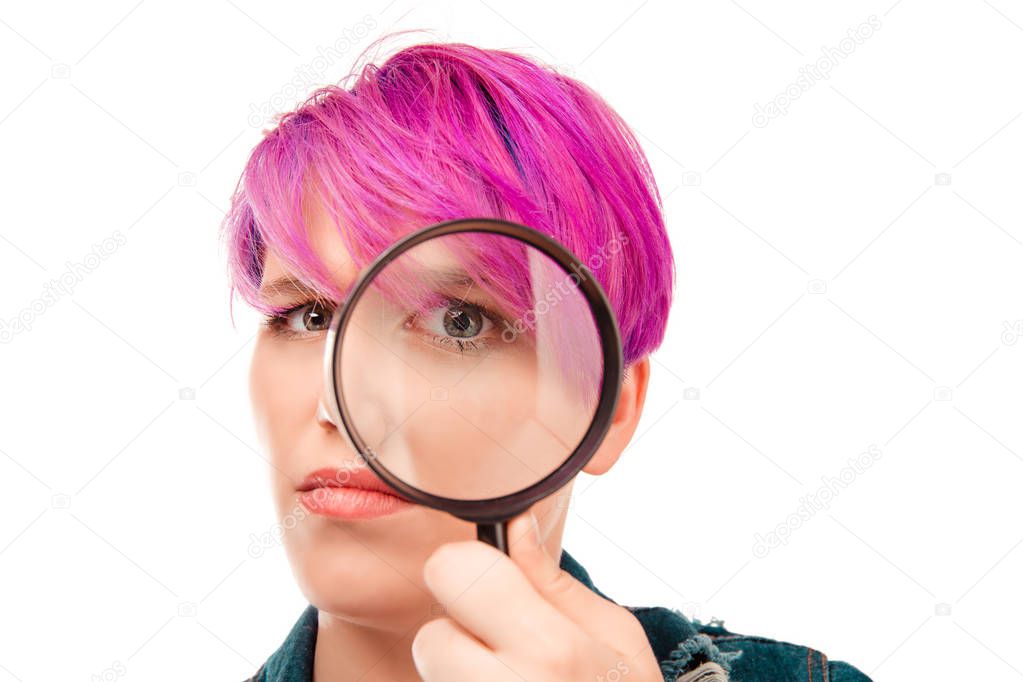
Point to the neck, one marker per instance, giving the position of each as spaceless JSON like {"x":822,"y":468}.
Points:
{"x":347,"y":651}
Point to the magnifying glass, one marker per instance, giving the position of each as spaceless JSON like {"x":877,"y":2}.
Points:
{"x":475,"y":366}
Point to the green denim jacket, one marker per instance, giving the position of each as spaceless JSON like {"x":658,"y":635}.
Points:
{"x":689,"y":651}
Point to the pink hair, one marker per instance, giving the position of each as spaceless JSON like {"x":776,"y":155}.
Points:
{"x":442,"y":131}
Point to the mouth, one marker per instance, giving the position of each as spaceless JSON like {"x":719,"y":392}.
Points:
{"x":349,"y":493}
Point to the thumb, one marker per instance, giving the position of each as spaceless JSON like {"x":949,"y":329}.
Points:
{"x":600,"y":618}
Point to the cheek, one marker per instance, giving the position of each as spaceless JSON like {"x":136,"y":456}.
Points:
{"x":284,"y":386}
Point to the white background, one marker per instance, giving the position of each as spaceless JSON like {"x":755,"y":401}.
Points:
{"x":849,"y":276}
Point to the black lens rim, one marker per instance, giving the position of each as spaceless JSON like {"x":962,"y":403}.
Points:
{"x":505,"y":507}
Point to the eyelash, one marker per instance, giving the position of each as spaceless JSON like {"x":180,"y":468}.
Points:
{"x":277,"y":324}
{"x":462,"y":346}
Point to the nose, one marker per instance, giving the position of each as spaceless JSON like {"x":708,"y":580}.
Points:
{"x":323,"y":417}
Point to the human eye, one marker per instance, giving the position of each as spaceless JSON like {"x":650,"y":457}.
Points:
{"x":304,"y":320}
{"x":458,"y":326}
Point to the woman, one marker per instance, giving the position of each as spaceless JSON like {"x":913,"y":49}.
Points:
{"x":398,"y":591}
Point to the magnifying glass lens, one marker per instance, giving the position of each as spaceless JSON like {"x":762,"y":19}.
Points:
{"x":470,"y":366}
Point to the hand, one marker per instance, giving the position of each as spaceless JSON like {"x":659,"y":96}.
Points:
{"x":524,"y":618}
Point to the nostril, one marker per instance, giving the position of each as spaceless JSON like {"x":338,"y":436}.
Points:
{"x":323,"y":416}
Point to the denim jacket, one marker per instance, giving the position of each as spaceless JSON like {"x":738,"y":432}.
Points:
{"x":689,"y":651}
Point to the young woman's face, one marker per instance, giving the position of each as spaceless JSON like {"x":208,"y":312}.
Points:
{"x":368,"y":570}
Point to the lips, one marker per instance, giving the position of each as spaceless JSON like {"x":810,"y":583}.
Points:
{"x":362,"y":478}
{"x":349,"y":493}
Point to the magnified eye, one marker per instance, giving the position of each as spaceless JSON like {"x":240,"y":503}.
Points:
{"x":458,"y":320}
{"x":457,"y":326}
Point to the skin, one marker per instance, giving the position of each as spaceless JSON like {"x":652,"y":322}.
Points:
{"x":414,"y":595}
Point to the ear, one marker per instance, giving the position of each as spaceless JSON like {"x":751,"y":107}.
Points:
{"x":626,"y":417}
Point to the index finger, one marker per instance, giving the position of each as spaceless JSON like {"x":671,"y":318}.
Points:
{"x":488,"y":595}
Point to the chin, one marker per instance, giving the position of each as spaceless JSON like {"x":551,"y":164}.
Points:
{"x":368,"y":571}
{"x":350,"y":580}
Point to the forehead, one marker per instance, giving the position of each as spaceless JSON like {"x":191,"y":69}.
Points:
{"x":325,"y":239}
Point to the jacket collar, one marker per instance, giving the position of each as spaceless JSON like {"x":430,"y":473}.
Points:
{"x":674,"y":640}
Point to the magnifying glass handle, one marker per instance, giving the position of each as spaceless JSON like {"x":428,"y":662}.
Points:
{"x":494,"y":534}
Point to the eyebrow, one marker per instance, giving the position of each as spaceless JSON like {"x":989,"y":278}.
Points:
{"x":444,"y":277}
{"x":285,"y":285}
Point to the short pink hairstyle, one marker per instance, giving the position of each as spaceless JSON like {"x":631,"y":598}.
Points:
{"x":442,"y":131}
